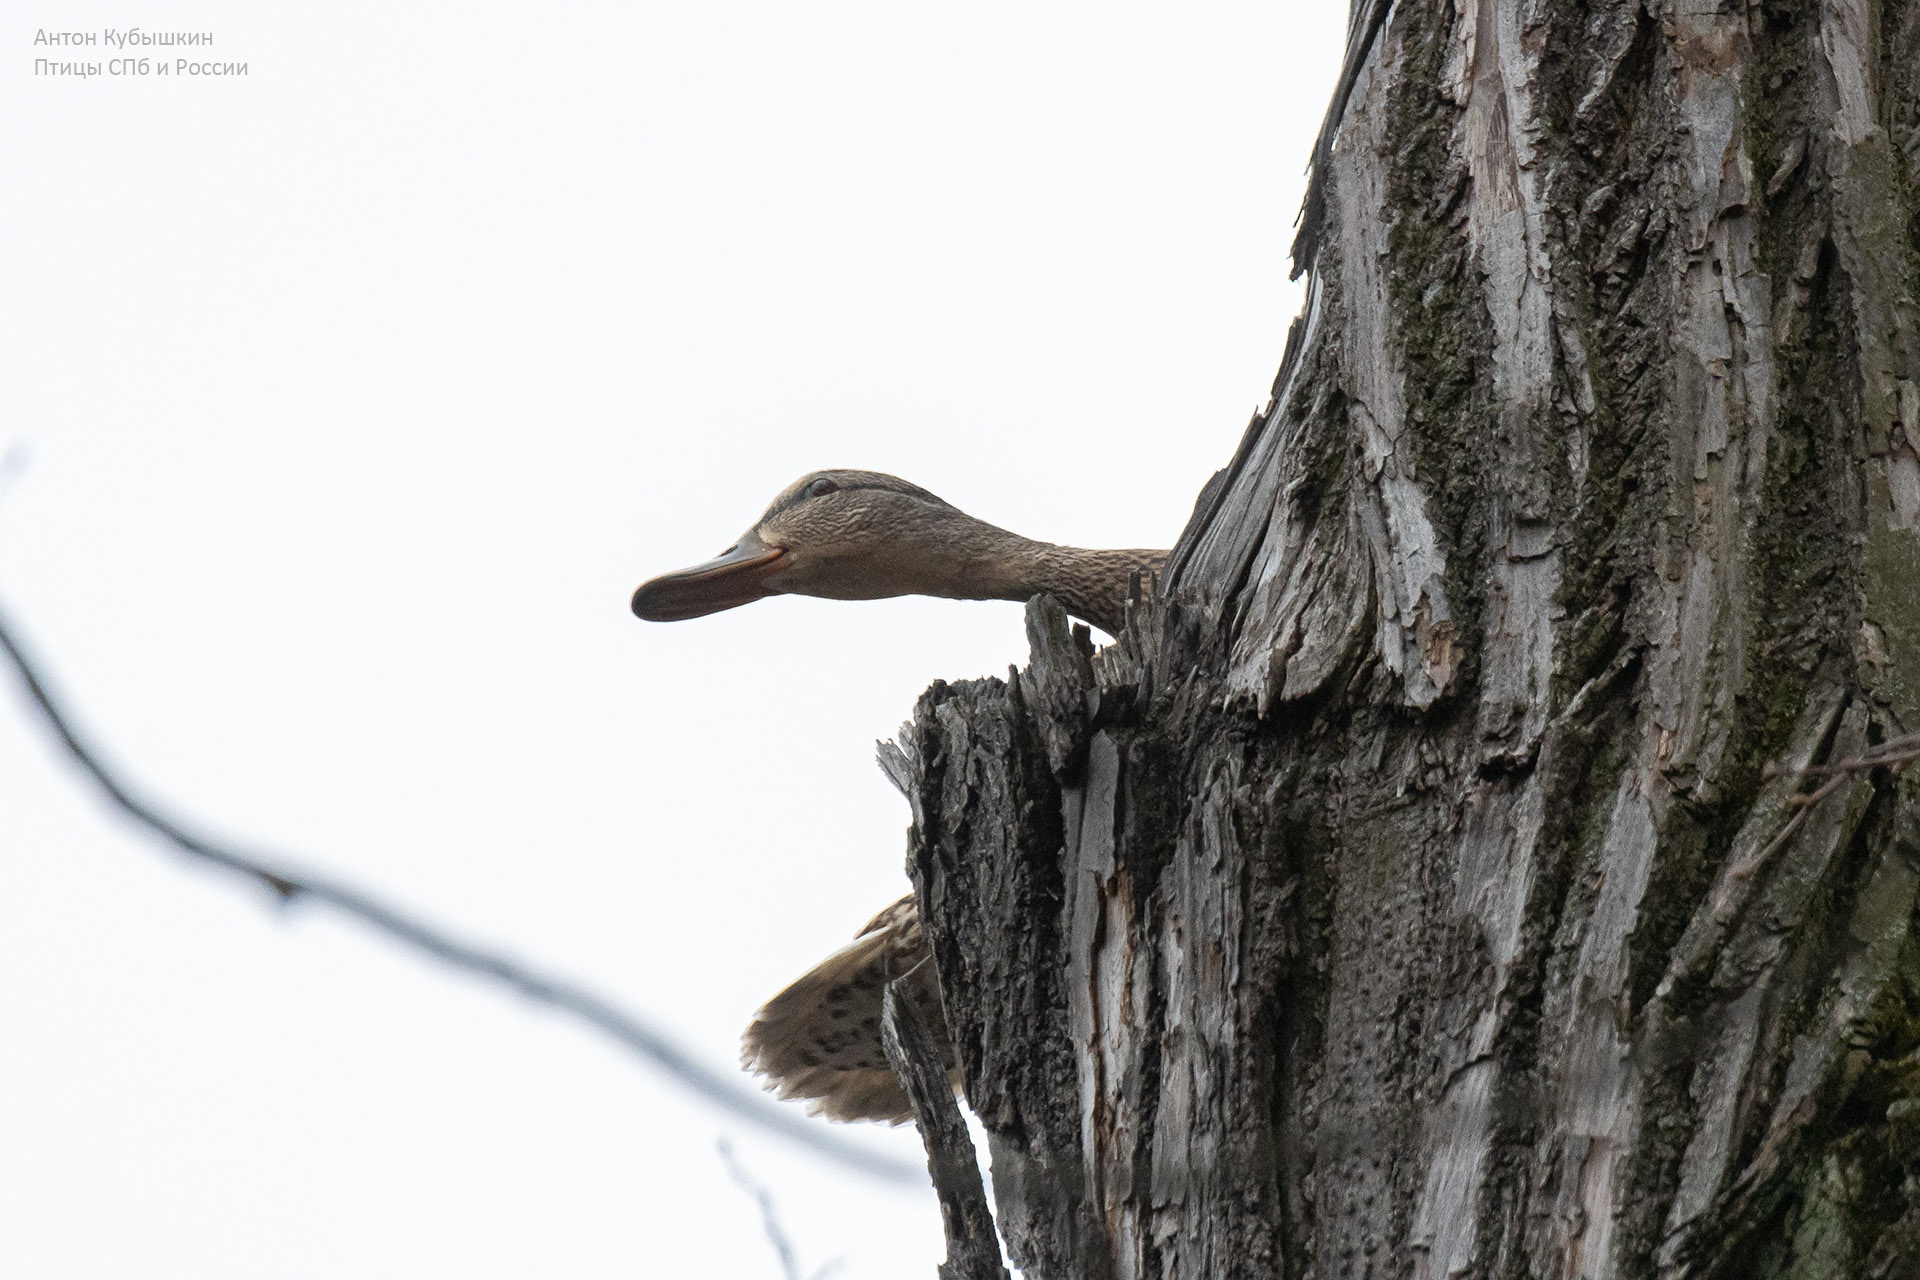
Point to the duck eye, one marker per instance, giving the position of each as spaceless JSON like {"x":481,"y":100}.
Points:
{"x":821,"y":488}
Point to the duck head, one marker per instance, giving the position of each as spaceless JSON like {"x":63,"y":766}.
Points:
{"x":844,"y":535}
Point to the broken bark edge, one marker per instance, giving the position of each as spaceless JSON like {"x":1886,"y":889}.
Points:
{"x":973,"y":1247}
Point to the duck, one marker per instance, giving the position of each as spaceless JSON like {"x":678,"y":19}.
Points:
{"x":818,"y":1041}
{"x":863,"y":535}
{"x":866,"y":535}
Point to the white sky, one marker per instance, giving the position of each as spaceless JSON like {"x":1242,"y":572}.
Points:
{"x":363,"y":390}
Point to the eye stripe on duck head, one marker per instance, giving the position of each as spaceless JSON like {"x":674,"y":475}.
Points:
{"x":844,"y":481}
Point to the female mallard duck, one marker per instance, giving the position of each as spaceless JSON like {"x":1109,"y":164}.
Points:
{"x":861,"y":535}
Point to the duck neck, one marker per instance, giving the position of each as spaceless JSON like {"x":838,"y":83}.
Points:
{"x":1091,"y":584}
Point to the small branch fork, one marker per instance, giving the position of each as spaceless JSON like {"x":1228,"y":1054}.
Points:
{"x":1894,"y":754}
{"x":770,"y":1218}
{"x":973,"y":1249}
{"x":577,"y":1001}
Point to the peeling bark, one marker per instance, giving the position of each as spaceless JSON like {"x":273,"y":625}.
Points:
{"x":973,"y":1249}
{"x":1404,"y":892}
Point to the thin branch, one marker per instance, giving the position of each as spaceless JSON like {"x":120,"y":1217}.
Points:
{"x":1894,"y":753}
{"x":1803,"y":805}
{"x":770,"y":1218}
{"x":289,"y":884}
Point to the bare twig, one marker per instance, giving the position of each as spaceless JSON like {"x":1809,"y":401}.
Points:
{"x":289,"y":884}
{"x":1894,"y":753}
{"x":973,"y":1248}
{"x":770,"y":1218}
{"x":1803,"y":805}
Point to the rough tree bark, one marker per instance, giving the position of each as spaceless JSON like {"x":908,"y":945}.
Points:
{"x":1404,"y":893}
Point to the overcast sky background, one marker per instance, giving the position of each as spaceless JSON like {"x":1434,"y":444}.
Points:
{"x":361,"y":392}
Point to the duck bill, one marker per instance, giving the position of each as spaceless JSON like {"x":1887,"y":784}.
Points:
{"x":735,"y":577}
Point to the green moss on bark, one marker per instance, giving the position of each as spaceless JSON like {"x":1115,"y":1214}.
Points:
{"x":1441,"y":328}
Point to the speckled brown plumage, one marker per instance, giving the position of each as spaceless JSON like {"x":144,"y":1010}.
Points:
{"x":819,"y":1040}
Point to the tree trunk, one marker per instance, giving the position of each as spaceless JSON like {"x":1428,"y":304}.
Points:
{"x":1408,"y":891}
